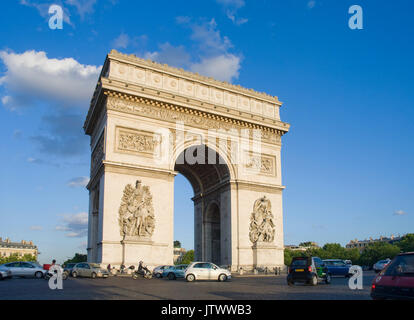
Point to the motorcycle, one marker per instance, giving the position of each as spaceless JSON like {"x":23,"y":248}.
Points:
{"x":145,"y":273}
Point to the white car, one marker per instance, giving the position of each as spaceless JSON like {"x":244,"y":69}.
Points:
{"x":206,"y":271}
{"x":25,"y":269}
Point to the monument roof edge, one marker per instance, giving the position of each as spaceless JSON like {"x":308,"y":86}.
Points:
{"x":114,"y":54}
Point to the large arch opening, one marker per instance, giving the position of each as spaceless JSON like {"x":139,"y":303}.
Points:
{"x":209,"y":177}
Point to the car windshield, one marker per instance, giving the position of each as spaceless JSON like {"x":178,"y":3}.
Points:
{"x":299,"y":262}
{"x":402,"y":265}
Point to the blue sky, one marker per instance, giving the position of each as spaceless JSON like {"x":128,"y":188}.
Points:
{"x":348,"y":94}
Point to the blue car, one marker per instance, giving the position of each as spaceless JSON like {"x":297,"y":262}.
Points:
{"x":175,"y":272}
{"x":337,"y":267}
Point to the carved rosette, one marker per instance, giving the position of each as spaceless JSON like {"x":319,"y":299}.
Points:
{"x":262,"y":228}
{"x":136,"y":213}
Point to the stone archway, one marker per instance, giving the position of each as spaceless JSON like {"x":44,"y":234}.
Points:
{"x":212,"y":214}
{"x":142,"y":117}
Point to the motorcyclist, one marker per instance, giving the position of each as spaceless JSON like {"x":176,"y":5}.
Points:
{"x":142,"y":268}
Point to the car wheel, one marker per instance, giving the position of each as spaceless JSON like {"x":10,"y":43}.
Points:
{"x":190,"y":278}
{"x":93,"y":275}
{"x":157,"y":275}
{"x":171,"y":276}
{"x":328,"y":278}
{"x":38,"y":275}
{"x":290,"y":283}
{"x":74,"y":274}
{"x":222,"y":277}
{"x":1,"y":277}
{"x":65,"y":275}
{"x":314,"y":280}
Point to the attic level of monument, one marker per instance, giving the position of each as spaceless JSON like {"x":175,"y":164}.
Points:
{"x":129,"y":77}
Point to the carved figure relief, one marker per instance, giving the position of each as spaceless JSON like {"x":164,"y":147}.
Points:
{"x":136,"y":213}
{"x":134,"y":141}
{"x":262,"y":228}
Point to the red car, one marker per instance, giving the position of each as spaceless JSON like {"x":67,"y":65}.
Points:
{"x":396,"y":281}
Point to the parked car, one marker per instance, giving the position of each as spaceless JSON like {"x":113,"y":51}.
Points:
{"x":396,"y":281}
{"x":310,"y":270}
{"x":5,"y":273}
{"x":380,"y":265}
{"x":68,"y":268}
{"x":337,"y":267}
{"x":25,"y":269}
{"x":206,"y":271}
{"x":91,"y":270}
{"x":174,"y":272}
{"x":158,"y":271}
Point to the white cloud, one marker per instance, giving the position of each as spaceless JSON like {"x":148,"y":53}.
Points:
{"x":224,"y":67}
{"x":33,"y":76}
{"x":43,"y":9}
{"x":311,"y":4}
{"x":231,"y":7}
{"x":400,"y":213}
{"x":78,"y":182}
{"x":122,"y":41}
{"x":75,"y":225}
{"x":174,"y":56}
{"x":209,"y":38}
{"x":214,"y":58}
{"x":83,"y":7}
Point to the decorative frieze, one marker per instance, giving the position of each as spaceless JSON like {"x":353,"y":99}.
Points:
{"x":157,"y":110}
{"x":260,"y":163}
{"x":137,"y":141}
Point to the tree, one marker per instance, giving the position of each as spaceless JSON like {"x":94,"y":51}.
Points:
{"x":290,"y":254}
{"x":177,"y":244}
{"x":378,"y":251}
{"x":406,"y":244}
{"x":15,"y":257}
{"x":79,"y":257}
{"x":188,"y":257}
{"x":307,"y":244}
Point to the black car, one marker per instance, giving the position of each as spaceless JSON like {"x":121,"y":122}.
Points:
{"x":310,"y":270}
{"x":68,"y":268}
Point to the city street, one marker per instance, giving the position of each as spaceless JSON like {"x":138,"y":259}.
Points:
{"x":244,"y":288}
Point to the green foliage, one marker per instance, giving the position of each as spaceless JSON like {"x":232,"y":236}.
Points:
{"x":378,"y":251}
{"x":16,"y":257}
{"x":406,"y":244}
{"x":187,"y":258}
{"x":306,"y":244}
{"x":177,"y":244}
{"x":328,"y":251}
{"x":77,"y":258}
{"x":290,"y":254}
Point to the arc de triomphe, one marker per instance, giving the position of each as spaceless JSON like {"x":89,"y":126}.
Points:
{"x":148,"y":122}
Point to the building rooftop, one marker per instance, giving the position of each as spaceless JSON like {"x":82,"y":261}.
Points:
{"x":22,"y":244}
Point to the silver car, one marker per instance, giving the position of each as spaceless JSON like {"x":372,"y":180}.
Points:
{"x":5,"y":273}
{"x":381,"y":265}
{"x":158,"y":271}
{"x":90,"y":270}
{"x":25,"y":269}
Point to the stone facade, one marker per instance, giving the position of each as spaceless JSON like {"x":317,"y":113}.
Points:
{"x":147,"y":123}
{"x":8,"y":248}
